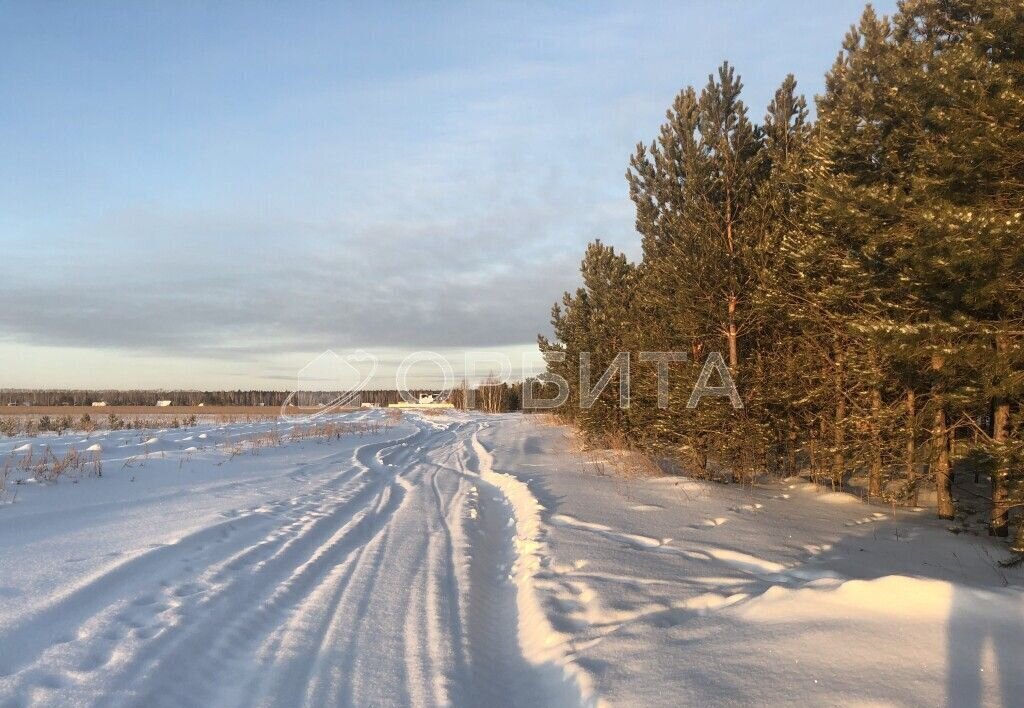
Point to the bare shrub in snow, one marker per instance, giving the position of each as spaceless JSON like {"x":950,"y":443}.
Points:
{"x":5,"y":474}
{"x":269,"y":438}
{"x":49,"y":467}
{"x":333,"y":430}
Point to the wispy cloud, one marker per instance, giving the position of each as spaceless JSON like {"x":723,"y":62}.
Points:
{"x":227,"y":186}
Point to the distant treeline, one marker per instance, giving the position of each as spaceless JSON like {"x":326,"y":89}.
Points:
{"x":149,"y":397}
{"x":861,"y":274}
{"x":493,"y":397}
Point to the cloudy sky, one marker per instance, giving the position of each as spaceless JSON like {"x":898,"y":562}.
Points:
{"x":207,"y":195}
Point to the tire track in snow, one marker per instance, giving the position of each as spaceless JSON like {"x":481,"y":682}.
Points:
{"x":512,"y":531}
{"x":60,"y":622}
{"x":228,"y":624}
{"x":404,"y":578}
{"x":95,"y":613}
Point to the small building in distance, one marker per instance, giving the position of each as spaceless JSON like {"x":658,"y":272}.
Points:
{"x":426,"y":400}
{"x":99,"y":404}
{"x":163,"y":404}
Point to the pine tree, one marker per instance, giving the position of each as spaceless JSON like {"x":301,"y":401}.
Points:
{"x":963,"y":82}
{"x":591,"y":330}
{"x":864,"y":276}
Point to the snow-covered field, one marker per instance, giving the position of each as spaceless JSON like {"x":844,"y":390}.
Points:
{"x":475,"y":561}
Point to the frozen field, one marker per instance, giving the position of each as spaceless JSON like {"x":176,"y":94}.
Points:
{"x":474,"y":561}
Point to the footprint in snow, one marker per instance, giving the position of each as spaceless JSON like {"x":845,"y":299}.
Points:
{"x":188,"y":589}
{"x":877,"y":516}
{"x":111,"y":635}
{"x":51,"y":681}
{"x":635,"y":540}
{"x":94,"y":660}
{"x":147,"y":632}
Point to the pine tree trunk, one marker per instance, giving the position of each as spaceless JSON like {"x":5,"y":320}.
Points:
{"x":734,"y":355}
{"x":734,"y":358}
{"x":1018,"y":542}
{"x":912,"y":445}
{"x":875,"y":428}
{"x":791,"y":441}
{"x":940,"y":449}
{"x":875,"y":474}
{"x":1000,"y":522}
{"x":838,"y":437}
{"x":940,"y":463}
{"x":812,"y":451}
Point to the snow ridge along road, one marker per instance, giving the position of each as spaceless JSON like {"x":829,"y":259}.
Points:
{"x":396,"y":571}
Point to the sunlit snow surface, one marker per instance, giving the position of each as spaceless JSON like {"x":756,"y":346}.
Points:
{"x":474,"y":560}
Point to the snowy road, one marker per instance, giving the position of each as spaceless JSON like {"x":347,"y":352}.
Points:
{"x":473,"y":561}
{"x":382,"y":579}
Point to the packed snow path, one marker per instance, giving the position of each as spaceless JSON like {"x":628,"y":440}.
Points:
{"x":475,"y":561}
{"x":385,"y":579}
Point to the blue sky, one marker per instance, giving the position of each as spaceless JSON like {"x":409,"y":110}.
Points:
{"x":206,"y":195}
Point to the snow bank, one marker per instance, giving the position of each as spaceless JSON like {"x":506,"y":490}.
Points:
{"x":905,"y":598}
{"x":541,"y":644}
{"x":783,"y":595}
{"x":274,"y":578}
